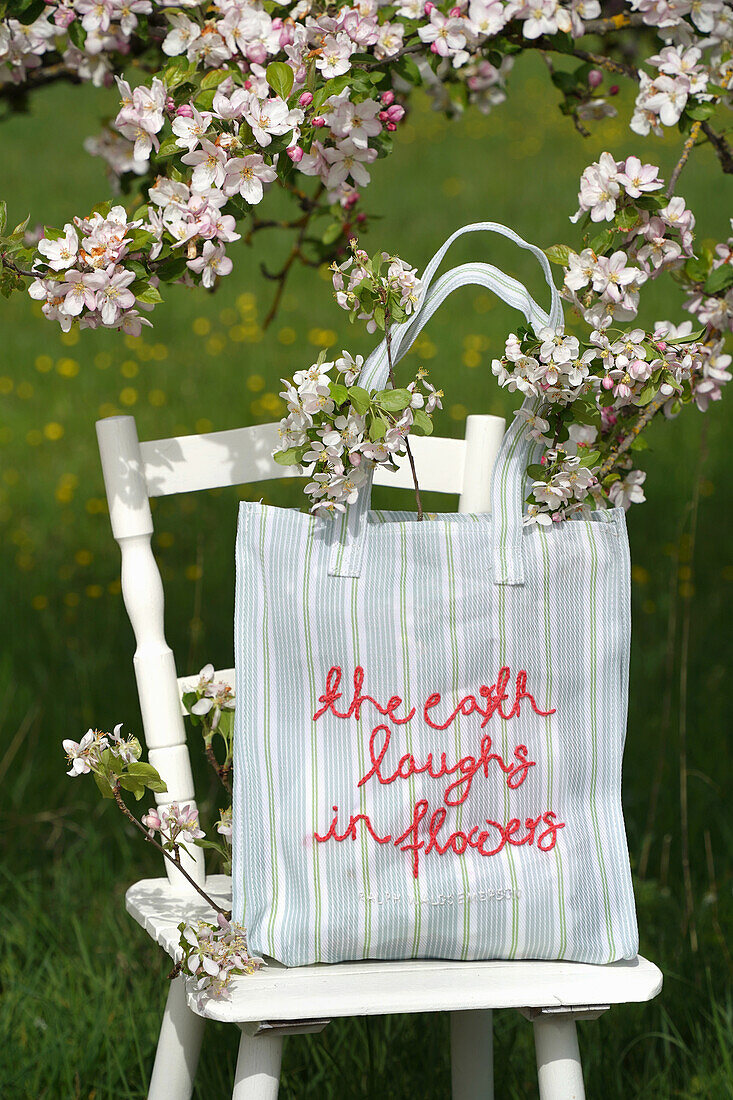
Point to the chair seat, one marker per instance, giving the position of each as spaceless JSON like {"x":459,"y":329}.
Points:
{"x":373,"y":988}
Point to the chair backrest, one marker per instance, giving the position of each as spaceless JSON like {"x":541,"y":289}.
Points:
{"x":134,"y":472}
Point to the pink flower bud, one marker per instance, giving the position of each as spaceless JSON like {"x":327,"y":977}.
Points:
{"x":434,"y":47}
{"x":276,"y":24}
{"x":287,"y":35}
{"x":185,"y":111}
{"x":556,"y":517}
{"x":350,"y":200}
{"x":595,"y":77}
{"x":454,"y":12}
{"x":387,"y":98}
{"x":295,"y":153}
{"x":395,"y":113}
{"x":613,"y":90}
{"x":169,"y":104}
{"x":361,"y":218}
{"x":355,"y":458}
{"x":429,"y":7}
{"x":306,"y":99}
{"x":391,"y":127}
{"x":607,"y":383}
{"x":318,"y":122}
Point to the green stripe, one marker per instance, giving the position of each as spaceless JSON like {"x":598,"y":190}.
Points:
{"x":314,"y":738}
{"x":459,"y":751}
{"x":362,"y":790}
{"x":268,"y":748}
{"x":548,"y":740}
{"x":408,"y":735}
{"x":594,"y":736}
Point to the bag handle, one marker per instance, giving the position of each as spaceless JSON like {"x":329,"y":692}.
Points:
{"x":507,"y":488}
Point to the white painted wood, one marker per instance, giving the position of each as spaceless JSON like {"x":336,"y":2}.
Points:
{"x":187,"y":463}
{"x":179,"y":1045}
{"x":257,"y":1076}
{"x":559,"y":1071}
{"x":374,"y":987}
{"x":124,"y":476}
{"x":483,"y":440}
{"x":472,"y":1055}
{"x":142,"y":591}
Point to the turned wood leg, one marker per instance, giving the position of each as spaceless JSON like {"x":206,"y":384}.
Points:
{"x":179,"y":1044}
{"x":257,"y":1076}
{"x":559,"y":1070}
{"x":472,"y":1055}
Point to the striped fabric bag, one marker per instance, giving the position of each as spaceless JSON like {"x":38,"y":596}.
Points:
{"x":431,"y":717}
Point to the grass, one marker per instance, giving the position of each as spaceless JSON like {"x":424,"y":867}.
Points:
{"x":83,"y":988}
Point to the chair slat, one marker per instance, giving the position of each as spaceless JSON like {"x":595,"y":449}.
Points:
{"x":188,"y":463}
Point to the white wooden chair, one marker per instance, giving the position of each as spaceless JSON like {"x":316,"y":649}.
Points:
{"x":277,"y":1001}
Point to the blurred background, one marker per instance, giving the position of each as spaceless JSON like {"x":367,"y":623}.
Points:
{"x":83,"y":987}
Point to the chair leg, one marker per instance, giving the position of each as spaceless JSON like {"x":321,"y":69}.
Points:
{"x":472,"y":1055}
{"x":179,"y":1045}
{"x":559,"y":1070}
{"x":257,"y":1076}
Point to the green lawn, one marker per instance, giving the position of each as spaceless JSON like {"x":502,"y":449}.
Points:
{"x":83,"y":988}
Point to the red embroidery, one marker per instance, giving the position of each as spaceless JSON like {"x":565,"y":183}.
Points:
{"x":467,"y":766}
{"x":457,"y":842}
{"x":493,"y":696}
{"x":332,"y":694}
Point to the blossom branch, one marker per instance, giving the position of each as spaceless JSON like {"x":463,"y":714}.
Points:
{"x":720,"y":145}
{"x":174,"y":859}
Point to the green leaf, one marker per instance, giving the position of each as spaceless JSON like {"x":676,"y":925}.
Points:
{"x":336,"y":85}
{"x":719,"y":279}
{"x":639,"y":444}
{"x":291,"y":457}
{"x":214,"y":78}
{"x":171,"y":269}
{"x":205,"y":99}
{"x":103,"y":786}
{"x":559,"y":254}
{"x":697,"y":268}
{"x":588,"y":458}
{"x":537,"y":472}
{"x":338,"y":392}
{"x":31,"y":12}
{"x":140,"y":239}
{"x":701,"y":111}
{"x":77,"y":34}
{"x":692,"y":338}
{"x":280,"y":77}
{"x":360,"y":399}
{"x":332,"y":233}
{"x":377,"y":428}
{"x":3,"y":216}
{"x":602,"y":241}
{"x":169,"y":147}
{"x":393,"y":400}
{"x":151,"y":295}
{"x":422,"y":423}
{"x":651,"y":202}
{"x":647,"y":394}
{"x":177,"y":71}
{"x":627,"y":219}
{"x":52,"y":234}
{"x":188,"y":699}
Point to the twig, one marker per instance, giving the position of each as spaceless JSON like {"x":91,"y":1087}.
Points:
{"x":650,"y":412}
{"x":117,"y":792}
{"x":686,"y":150}
{"x":295,"y":252}
{"x":223,"y":771}
{"x":614,"y":23}
{"x":6,"y":262}
{"x":418,"y":498}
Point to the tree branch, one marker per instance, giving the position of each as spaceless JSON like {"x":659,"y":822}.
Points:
{"x":6,"y":262}
{"x":686,"y":150}
{"x":720,"y":145}
{"x":282,"y":275}
{"x":223,"y":771}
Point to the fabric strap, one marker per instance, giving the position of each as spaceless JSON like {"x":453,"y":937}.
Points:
{"x":347,"y":535}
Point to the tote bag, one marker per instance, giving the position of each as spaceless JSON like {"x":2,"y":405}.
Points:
{"x":431,"y":716}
